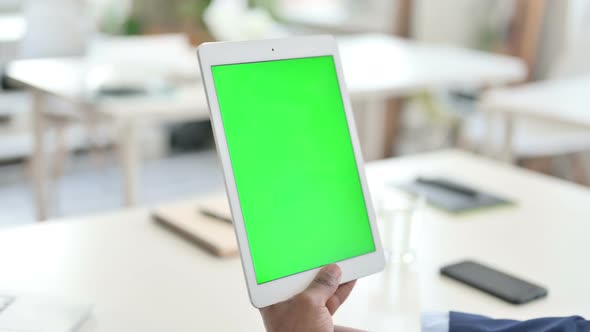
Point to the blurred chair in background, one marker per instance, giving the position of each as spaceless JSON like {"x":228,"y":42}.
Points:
{"x":137,"y":70}
{"x":121,"y":82}
{"x":537,"y":139}
{"x":233,"y":20}
{"x":56,"y":28}
{"x":343,"y":16}
{"x":59,"y":28}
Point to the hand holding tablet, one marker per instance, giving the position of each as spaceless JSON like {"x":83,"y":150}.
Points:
{"x":292,"y":163}
{"x":311,"y":310}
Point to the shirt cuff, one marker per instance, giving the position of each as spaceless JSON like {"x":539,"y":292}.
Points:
{"x":435,"y":321}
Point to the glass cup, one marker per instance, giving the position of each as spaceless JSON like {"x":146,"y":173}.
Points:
{"x":398,"y":216}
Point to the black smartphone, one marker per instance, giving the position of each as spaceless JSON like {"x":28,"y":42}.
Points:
{"x":494,"y":282}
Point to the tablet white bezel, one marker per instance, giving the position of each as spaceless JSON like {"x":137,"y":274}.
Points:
{"x":211,"y":54}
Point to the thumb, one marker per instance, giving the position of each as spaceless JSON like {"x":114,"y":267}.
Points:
{"x":325,"y":283}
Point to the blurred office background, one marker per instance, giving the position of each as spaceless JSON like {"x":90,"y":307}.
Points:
{"x":124,"y":123}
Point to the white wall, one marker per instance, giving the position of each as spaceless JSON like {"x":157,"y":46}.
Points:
{"x":564,"y":46}
{"x":578,"y":24}
{"x":552,"y":42}
{"x":10,"y":5}
{"x":455,"y":22}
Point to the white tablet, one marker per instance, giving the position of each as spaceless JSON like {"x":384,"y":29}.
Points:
{"x":292,"y":162}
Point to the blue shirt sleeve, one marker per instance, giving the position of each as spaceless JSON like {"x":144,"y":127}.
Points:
{"x":462,"y":322}
{"x":435,"y":321}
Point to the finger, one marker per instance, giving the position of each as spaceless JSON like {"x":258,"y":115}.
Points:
{"x":341,"y":294}
{"x":324,"y":284}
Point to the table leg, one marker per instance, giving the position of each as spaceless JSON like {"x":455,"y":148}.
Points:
{"x":507,"y":150}
{"x":38,"y":157}
{"x":369,"y":122}
{"x":128,"y":156}
{"x":392,"y":123}
{"x":487,"y":146}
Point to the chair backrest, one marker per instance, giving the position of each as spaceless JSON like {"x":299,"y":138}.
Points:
{"x":166,"y":52}
{"x":56,"y":28}
{"x":140,"y":60}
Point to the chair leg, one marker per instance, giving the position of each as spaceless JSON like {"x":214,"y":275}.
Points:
{"x":97,"y":149}
{"x":29,"y":171}
{"x":579,"y":169}
{"x":539,"y":164}
{"x":58,"y":163}
{"x":529,"y":163}
{"x":61,"y":151}
{"x":546,"y":165}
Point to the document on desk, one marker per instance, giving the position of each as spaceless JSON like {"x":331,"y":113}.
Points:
{"x":212,"y":231}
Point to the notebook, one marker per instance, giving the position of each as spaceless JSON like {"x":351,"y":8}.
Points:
{"x":211,"y":233}
{"x":452,"y":196}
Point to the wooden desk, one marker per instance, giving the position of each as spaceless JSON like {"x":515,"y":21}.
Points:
{"x":376,"y":67}
{"x":141,"y":277}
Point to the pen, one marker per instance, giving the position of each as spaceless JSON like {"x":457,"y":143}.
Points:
{"x":214,"y":215}
{"x":447,"y":185}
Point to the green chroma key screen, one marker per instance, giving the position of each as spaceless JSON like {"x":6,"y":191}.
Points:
{"x":293,"y":163}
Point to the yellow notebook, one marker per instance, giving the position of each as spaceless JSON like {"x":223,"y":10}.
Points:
{"x":188,"y":220}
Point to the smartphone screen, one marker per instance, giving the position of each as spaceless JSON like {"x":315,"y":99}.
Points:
{"x":293,"y":163}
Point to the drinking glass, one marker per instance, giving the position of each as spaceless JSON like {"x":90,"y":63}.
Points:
{"x":398,"y":216}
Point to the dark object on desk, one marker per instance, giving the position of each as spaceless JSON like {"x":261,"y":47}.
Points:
{"x":499,"y":284}
{"x":451,"y":196}
{"x":122,"y":91}
{"x":6,"y":83}
{"x":191,"y":136}
{"x":114,"y":88}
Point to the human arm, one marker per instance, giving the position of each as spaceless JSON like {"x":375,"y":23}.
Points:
{"x":462,"y":322}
